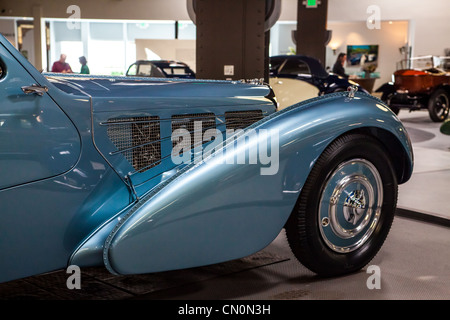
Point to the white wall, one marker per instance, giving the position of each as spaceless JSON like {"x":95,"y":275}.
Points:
{"x":281,"y":41}
{"x":180,"y":50}
{"x":429,"y":20}
{"x":389,"y":38}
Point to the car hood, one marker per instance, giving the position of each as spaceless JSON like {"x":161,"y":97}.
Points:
{"x":99,"y":86}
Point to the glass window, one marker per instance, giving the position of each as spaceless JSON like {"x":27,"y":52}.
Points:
{"x":62,"y":32}
{"x":275,"y":64}
{"x":73,"y":50}
{"x":132,"y":71}
{"x":167,"y":70}
{"x":108,"y":45}
{"x":295,"y":67}
{"x":187,"y":30}
{"x":281,"y":41}
{"x":149,"y":70}
{"x":179,"y":71}
{"x":130,"y":55}
{"x":106,"y":31}
{"x":151,"y":30}
{"x":145,"y":70}
{"x":107,"y":57}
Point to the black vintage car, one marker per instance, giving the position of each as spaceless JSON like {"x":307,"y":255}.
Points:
{"x":144,"y":68}
{"x":296,"y":78}
{"x":174,"y":69}
{"x":161,"y":69}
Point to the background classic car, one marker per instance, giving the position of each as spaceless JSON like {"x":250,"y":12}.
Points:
{"x":166,"y":68}
{"x":88,"y":176}
{"x":175,"y":69}
{"x":144,"y":68}
{"x":415,"y":88}
{"x":295,"y":78}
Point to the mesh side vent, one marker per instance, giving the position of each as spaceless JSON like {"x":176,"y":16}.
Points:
{"x":242,"y":119}
{"x":138,"y":139}
{"x":187,"y":122}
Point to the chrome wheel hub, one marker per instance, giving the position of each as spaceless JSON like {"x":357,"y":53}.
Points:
{"x":354,"y":206}
{"x":350,"y":205}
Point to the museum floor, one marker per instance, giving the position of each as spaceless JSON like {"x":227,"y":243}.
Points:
{"x":414,"y":263}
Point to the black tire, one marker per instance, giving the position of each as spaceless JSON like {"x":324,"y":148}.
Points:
{"x":386,"y":98}
{"x":317,"y":245}
{"x":438,"y":105}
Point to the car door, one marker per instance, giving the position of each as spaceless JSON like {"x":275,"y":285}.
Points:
{"x":37,"y":139}
{"x":39,"y":145}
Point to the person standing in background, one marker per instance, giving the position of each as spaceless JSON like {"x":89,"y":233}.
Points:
{"x":61,"y":65}
{"x":84,"y":67}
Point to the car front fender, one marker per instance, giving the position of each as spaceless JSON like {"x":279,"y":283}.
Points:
{"x":220,"y":209}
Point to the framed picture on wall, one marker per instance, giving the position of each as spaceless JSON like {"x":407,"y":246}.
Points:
{"x":362,"y":55}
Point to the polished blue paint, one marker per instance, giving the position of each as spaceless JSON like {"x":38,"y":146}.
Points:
{"x":53,"y":149}
{"x":84,"y":206}
{"x":236,"y":208}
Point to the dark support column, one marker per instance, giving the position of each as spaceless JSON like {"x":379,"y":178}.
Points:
{"x":230,"y":39}
{"x":267,"y":57}
{"x":312,"y":33}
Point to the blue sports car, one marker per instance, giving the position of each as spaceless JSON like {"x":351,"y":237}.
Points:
{"x":142,"y":175}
